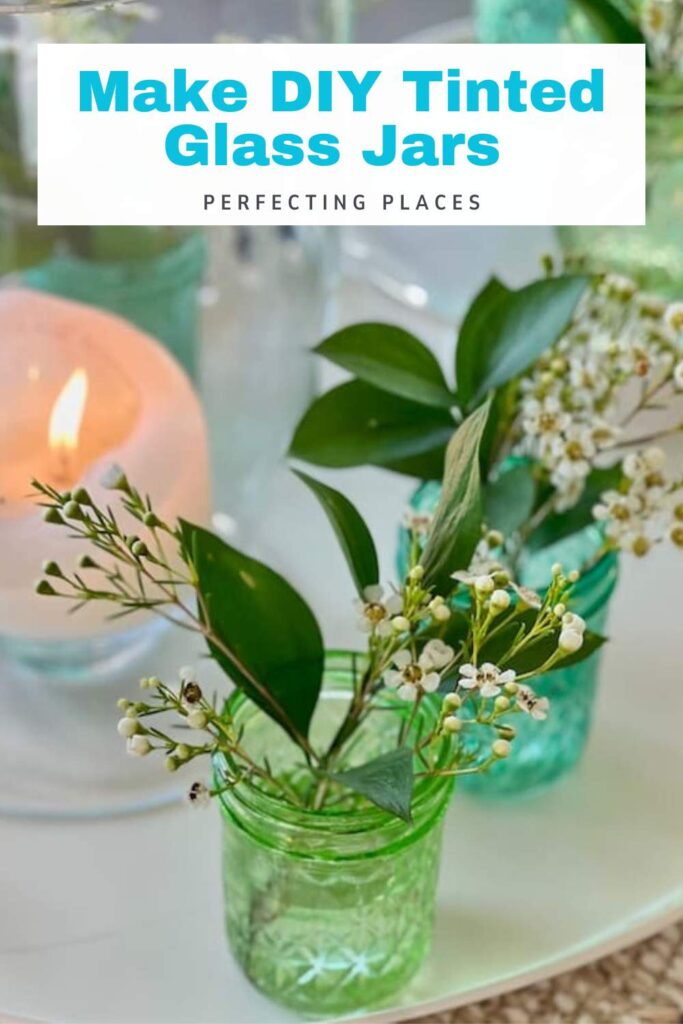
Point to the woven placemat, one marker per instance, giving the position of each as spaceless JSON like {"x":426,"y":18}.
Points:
{"x":640,"y":985}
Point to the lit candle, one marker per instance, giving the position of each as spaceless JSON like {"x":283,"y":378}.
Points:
{"x":79,"y":390}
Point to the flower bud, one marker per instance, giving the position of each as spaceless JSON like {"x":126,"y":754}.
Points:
{"x":572,"y":621}
{"x":52,"y":515}
{"x":416,"y":574}
{"x":86,"y":562}
{"x":500,"y":600}
{"x":574,"y":576}
{"x":511,"y":688}
{"x":484,"y":585}
{"x":452,"y":724}
{"x":115,"y":480}
{"x":452,"y":700}
{"x":139,"y":746}
{"x":400,"y":624}
{"x":506,"y":732}
{"x":501,"y":703}
{"x":640,"y":546}
{"x":122,"y":703}
{"x":182,"y":752}
{"x":139,"y":549}
{"x":81,"y":496}
{"x":72,"y":510}
{"x":676,"y":535}
{"x":501,"y":578}
{"x":45,"y":589}
{"x":151,"y":520}
{"x":559,"y":611}
{"x":570,"y":641}
{"x":442,"y":613}
{"x":171,"y":764}
{"x":197,"y":719}
{"x":435,"y":602}
{"x":556,"y":569}
{"x":52,"y":569}
{"x":501,"y":748}
{"x":127,"y":727}
{"x":495,"y":539}
{"x":678,"y":512}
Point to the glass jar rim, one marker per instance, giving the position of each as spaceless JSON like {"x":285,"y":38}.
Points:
{"x":429,"y":793}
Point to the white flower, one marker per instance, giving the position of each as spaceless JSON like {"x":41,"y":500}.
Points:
{"x":568,"y":492}
{"x":673,"y":317}
{"x":419,"y":523}
{"x":528,"y":596}
{"x":488,"y":679}
{"x":409,"y":677}
{"x":375,"y":611}
{"x":127,"y":727}
{"x":573,"y":453}
{"x":537,"y":707}
{"x":588,"y":380}
{"x":545,"y":419}
{"x":604,"y":434}
{"x":638,"y":465}
{"x":438,"y":654}
{"x":484,"y":585}
{"x":138,"y":746}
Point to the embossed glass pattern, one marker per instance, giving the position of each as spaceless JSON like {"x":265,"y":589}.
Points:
{"x":328,"y":912}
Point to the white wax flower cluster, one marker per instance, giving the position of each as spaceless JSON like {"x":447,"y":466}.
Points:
{"x":622,"y":352}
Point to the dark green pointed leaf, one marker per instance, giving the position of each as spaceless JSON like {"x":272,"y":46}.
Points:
{"x":387,"y":782}
{"x":352,"y":533}
{"x":428,"y":466}
{"x":480,"y":321}
{"x":509,"y":499}
{"x":456,"y":529}
{"x":511,"y":331}
{"x":357,"y":424}
{"x":391,"y":359}
{"x":610,"y":23}
{"x":274,"y":642}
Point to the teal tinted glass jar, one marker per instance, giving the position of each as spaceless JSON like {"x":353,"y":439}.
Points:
{"x":545,"y":752}
{"x":328,"y":912}
{"x":652,"y":255}
{"x":150,"y":276}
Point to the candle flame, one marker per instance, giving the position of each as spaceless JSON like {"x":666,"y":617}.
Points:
{"x":67,"y":413}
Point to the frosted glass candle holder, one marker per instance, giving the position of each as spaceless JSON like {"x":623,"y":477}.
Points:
{"x":81,"y":389}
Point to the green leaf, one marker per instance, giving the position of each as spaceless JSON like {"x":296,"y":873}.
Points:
{"x":391,"y":359}
{"x":428,"y":466}
{"x":387,"y":782}
{"x":511,"y":331}
{"x":610,"y":23}
{"x":456,"y":529}
{"x":270,"y":642}
{"x":352,"y":533}
{"x":533,"y":657}
{"x":479,"y":322}
{"x":560,"y":525}
{"x":509,"y":499}
{"x":357,"y":424}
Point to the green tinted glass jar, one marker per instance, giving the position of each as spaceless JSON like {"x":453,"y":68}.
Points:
{"x":545,"y":752}
{"x":328,"y":912}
